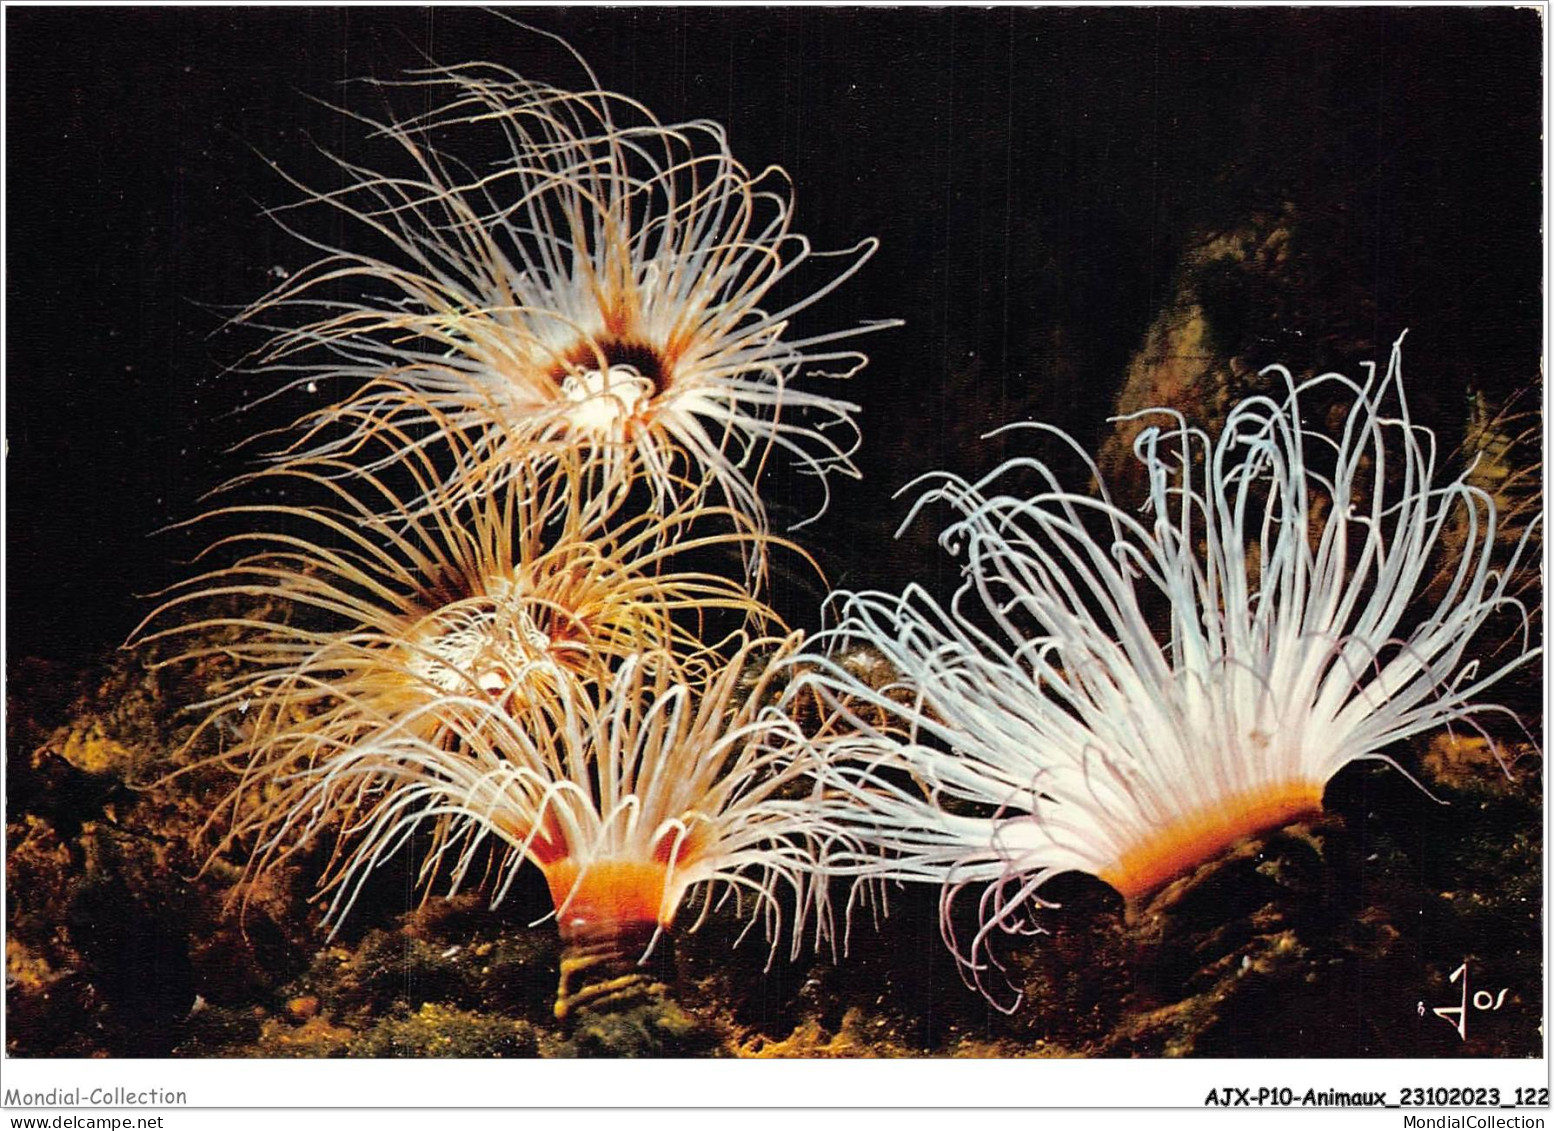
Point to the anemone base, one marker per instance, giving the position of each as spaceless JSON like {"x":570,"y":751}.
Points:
{"x":601,"y":970}
{"x":1173,"y":848}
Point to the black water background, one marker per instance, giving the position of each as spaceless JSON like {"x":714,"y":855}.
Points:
{"x":1034,"y":177}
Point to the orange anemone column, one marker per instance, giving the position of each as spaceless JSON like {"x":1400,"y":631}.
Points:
{"x":1180,"y":844}
{"x":608,"y":914}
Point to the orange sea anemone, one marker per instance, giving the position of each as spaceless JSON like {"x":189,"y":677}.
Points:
{"x":1128,"y":696}
{"x":669,"y":780}
{"x":593,"y":281}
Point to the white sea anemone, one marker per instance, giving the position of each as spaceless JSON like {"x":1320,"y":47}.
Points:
{"x":1127,"y":695}
{"x":560,"y":270}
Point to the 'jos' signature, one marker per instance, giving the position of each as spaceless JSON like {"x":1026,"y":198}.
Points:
{"x":1482,"y":1000}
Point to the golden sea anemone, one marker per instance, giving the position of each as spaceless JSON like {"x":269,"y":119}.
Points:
{"x":584,"y":278}
{"x":344,"y":622}
{"x":1127,"y":697}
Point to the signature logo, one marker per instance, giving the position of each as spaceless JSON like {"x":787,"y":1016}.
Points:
{"x":1483,"y":1000}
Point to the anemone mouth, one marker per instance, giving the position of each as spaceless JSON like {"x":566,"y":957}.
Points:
{"x":491,"y":643}
{"x":606,"y":386}
{"x":597,"y":358}
{"x":1182,"y":842}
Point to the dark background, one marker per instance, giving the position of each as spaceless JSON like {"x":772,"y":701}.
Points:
{"x":1034,"y":177}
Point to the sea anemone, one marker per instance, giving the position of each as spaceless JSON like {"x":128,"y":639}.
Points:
{"x":585,"y":279}
{"x":1127,"y":696}
{"x":666,"y":781}
{"x":340,"y":622}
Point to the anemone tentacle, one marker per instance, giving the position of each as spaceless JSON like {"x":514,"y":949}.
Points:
{"x":668,"y":781}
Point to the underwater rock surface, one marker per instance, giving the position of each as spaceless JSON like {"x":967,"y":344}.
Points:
{"x":1336,"y":938}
